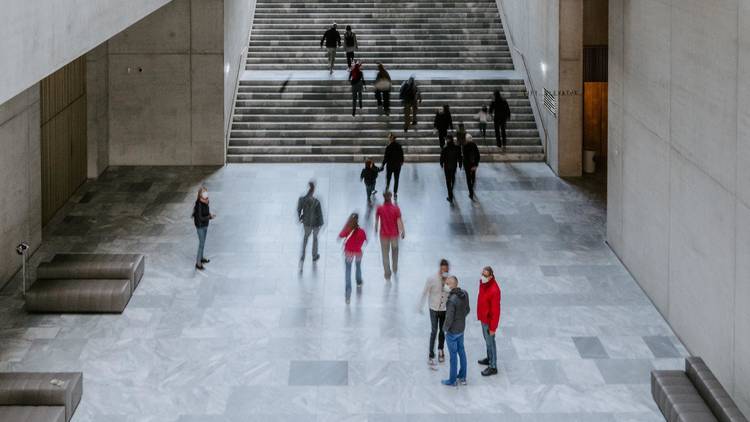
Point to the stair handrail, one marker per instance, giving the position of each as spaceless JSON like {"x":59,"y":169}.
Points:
{"x":535,"y":107}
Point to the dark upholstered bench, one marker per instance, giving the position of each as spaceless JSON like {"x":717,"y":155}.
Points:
{"x":78,"y":296}
{"x":693,"y":395}
{"x":39,"y":396}
{"x":96,"y":266}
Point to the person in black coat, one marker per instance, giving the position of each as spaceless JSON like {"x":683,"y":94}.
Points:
{"x":370,"y":176}
{"x":501,"y":110}
{"x":332,"y":40}
{"x":450,"y":160}
{"x":471,"y":159}
{"x":201,"y":217}
{"x":393,"y":159}
{"x":443,"y":122}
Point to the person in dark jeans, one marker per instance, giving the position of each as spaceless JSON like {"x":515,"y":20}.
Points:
{"x":501,"y":110}
{"x":357,"y":79}
{"x":332,"y":40}
{"x":383,"y":85}
{"x":471,"y":159}
{"x":393,"y":159}
{"x":411,"y":97}
{"x":450,"y":160}
{"x":436,"y":296}
{"x":201,"y":217}
{"x":456,"y":310}
{"x":443,"y":122}
{"x":350,"y":45}
{"x":370,"y":176}
{"x":310,"y":214}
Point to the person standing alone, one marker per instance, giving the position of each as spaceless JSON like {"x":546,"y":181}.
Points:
{"x":310,"y":214}
{"x":450,"y":160}
{"x":388,"y":218}
{"x":201,"y":217}
{"x":488,"y":313}
{"x":456,"y":310}
{"x":436,"y":294}
{"x":471,"y":159}
{"x":501,"y":110}
{"x":393,"y":159}
{"x":350,"y":45}
{"x":332,"y":40}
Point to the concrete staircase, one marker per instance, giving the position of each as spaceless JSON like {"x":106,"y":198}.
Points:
{"x":310,"y":121}
{"x":404,"y":35}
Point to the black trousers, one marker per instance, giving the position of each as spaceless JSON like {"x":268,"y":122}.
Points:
{"x":450,"y":180}
{"x":500,"y":136}
{"x":349,"y":58}
{"x":471,"y":179}
{"x":441,"y":137}
{"x":395,"y":172}
{"x":384,"y":100}
{"x":437,"y":319}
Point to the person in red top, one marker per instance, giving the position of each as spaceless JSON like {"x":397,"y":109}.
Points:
{"x":488,"y":313}
{"x":388,"y":217}
{"x":354,"y":237}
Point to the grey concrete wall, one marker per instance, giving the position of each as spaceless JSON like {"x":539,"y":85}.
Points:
{"x":20,"y":172}
{"x":166,"y":87}
{"x":679,"y":184}
{"x":238,"y":18}
{"x":97,"y":110}
{"x":39,"y":37}
{"x":552,"y":54}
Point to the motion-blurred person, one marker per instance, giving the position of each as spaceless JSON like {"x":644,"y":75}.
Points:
{"x":471,"y":158}
{"x":354,"y":237}
{"x":388,"y":218}
{"x":369,"y":175}
{"x":201,"y":217}
{"x":461,"y":134}
{"x":443,"y":123}
{"x":456,"y":310}
{"x":383,"y":85}
{"x":332,"y":40}
{"x":450,"y":160}
{"x":357,"y":79}
{"x":501,"y":110}
{"x":393,"y":159}
{"x":310,"y":214}
{"x":350,"y":45}
{"x":411,"y":97}
{"x":483,"y":117}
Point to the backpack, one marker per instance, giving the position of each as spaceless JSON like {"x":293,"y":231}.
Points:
{"x":406,"y":91}
{"x":356,"y":74}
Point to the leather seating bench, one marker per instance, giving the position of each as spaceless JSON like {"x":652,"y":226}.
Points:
{"x":39,"y":397}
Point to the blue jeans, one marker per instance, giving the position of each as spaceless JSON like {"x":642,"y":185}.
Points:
{"x":358,"y":261}
{"x":456,"y":349}
{"x":202,"y":232}
{"x":491,"y":346}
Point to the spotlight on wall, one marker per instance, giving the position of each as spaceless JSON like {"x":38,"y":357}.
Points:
{"x":544,"y":68}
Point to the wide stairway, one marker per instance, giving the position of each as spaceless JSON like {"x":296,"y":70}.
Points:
{"x":289,"y":109}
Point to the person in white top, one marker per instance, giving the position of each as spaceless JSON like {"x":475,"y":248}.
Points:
{"x":435,"y":294}
{"x":483,"y":117}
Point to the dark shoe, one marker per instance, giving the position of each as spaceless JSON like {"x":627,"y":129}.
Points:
{"x":485,"y":361}
{"x":441,"y":356}
{"x":205,"y":261}
{"x":448,"y":383}
{"x":316,"y":257}
{"x":199,"y":267}
{"x":489,"y":371}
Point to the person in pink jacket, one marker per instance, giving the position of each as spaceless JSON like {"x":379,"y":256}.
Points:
{"x":354,"y":237}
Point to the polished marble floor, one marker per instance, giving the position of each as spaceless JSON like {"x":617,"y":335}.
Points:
{"x":252,"y":339}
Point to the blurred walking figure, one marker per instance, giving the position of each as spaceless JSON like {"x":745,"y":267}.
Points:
{"x":383,"y":85}
{"x":483,"y":117}
{"x":332,"y":40}
{"x":456,"y":310}
{"x":354,"y":237}
{"x":471,"y":159}
{"x":350,"y":45}
{"x":450,"y":160}
{"x":461,"y":134}
{"x":501,"y":110}
{"x":435,"y":293}
{"x":388,"y":218}
{"x":443,"y":122}
{"x":488,"y":313}
{"x":357,"y":79}
{"x":201,"y":217}
{"x":310,"y":214}
{"x":411,"y":97}
{"x":393,"y":159}
{"x":370,"y":176}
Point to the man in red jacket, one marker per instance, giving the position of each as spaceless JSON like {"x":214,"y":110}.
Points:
{"x":488,"y":313}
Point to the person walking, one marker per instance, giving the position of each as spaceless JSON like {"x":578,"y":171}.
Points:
{"x":450,"y":160}
{"x":456,"y":310}
{"x":461,"y":134}
{"x":411,"y":98}
{"x":383,"y":85}
{"x":393,"y":159}
{"x":435,"y":293}
{"x":357,"y":79}
{"x":369,"y":175}
{"x":443,"y":122}
{"x":332,"y":40}
{"x":310,"y":214}
{"x":354,"y":237}
{"x":201,"y":217}
{"x":501,"y":110}
{"x":488,"y":313}
{"x":483,"y":118}
{"x":388,"y":218}
{"x":350,"y":45}
{"x":471,"y":158}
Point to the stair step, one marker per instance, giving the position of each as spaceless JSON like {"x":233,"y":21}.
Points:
{"x":360,"y":158}
{"x":370,"y":141}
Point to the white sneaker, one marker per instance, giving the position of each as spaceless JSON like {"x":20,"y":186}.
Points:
{"x":461,"y":381}
{"x":433,"y":365}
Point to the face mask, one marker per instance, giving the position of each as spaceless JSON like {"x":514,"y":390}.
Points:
{"x":204,"y":195}
{"x":485,"y":279}
{"x":446,"y":289}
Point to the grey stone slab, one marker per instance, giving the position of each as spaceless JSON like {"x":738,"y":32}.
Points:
{"x":319,"y":373}
{"x":661,"y":347}
{"x":590,"y":348}
{"x":625,"y":371}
